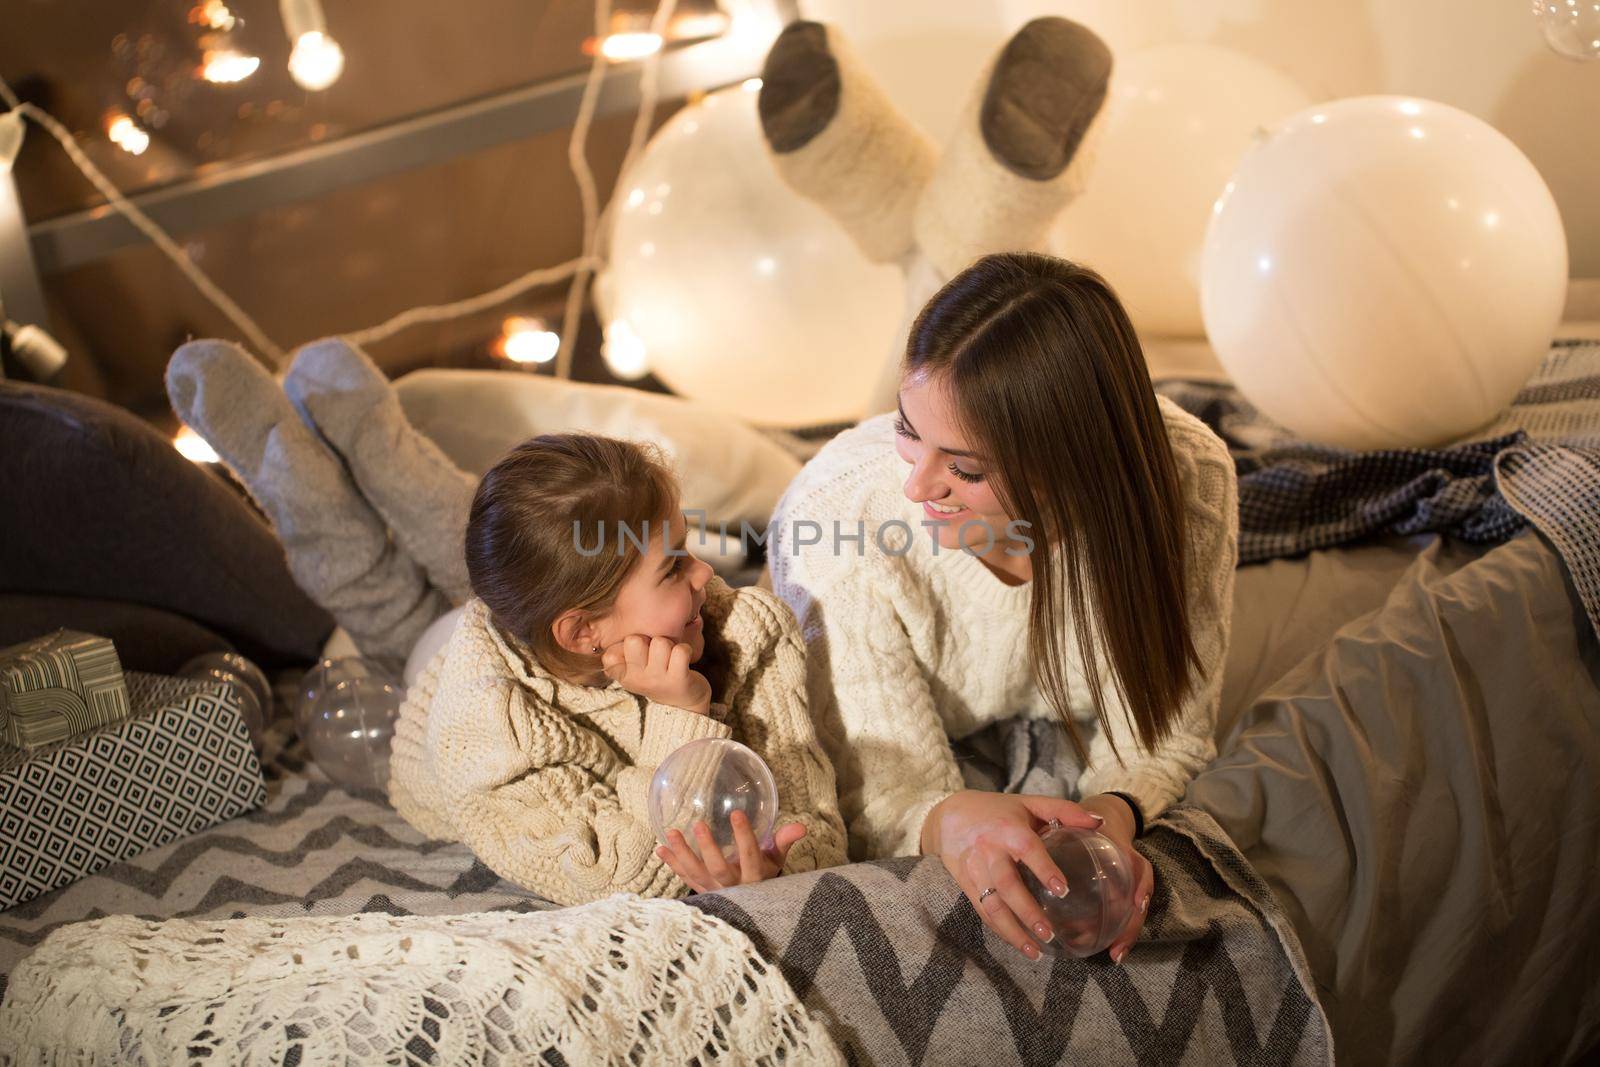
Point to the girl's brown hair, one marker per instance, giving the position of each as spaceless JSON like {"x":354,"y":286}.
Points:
{"x":1048,"y":379}
{"x":547,"y":498}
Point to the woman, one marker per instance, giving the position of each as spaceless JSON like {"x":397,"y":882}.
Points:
{"x":1032,"y":532}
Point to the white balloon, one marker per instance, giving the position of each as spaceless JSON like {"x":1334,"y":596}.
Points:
{"x":743,"y":294}
{"x":428,"y":645}
{"x":1383,"y":272}
{"x":1178,"y":118}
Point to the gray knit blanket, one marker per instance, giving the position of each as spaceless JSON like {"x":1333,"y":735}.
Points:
{"x":893,"y":959}
{"x":1538,"y":464}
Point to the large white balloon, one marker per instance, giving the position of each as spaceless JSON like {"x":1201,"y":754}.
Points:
{"x":1383,"y":272}
{"x":739,"y":292}
{"x":1178,"y":118}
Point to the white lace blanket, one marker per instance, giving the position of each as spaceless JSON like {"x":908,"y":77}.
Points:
{"x":621,"y":981}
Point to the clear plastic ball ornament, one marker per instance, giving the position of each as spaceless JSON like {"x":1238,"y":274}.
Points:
{"x":323,"y":677}
{"x":708,"y":780}
{"x":1099,"y":896}
{"x":1570,"y":27}
{"x":349,"y":725}
{"x":245,"y":678}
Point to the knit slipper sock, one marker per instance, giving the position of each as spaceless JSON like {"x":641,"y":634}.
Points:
{"x":423,"y":497}
{"x":838,"y":140}
{"x":1023,"y":148}
{"x":338,"y":548}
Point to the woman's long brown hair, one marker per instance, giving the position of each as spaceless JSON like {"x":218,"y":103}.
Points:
{"x":523,"y":551}
{"x":1048,"y":380}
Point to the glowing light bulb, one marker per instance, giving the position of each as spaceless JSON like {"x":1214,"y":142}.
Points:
{"x":126,"y":135}
{"x":228,"y":66}
{"x":621,"y":47}
{"x":316,"y":62}
{"x":192,"y":447}
{"x":624,"y":352}
{"x":525,"y":340}
{"x":213,"y":14}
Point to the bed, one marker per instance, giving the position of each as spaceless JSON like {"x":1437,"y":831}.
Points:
{"x":1389,"y":861}
{"x":1441,"y":904}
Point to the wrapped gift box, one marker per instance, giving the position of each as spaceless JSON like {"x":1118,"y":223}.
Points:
{"x":181,"y":762}
{"x":57,"y":686}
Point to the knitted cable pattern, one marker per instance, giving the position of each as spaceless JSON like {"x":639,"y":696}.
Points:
{"x":912,"y":646}
{"x":547,"y":781}
{"x":621,"y":981}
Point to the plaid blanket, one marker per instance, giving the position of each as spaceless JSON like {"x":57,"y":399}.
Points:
{"x":893,"y":959}
{"x":1539,"y":464}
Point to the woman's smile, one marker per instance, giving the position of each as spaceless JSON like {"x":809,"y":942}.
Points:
{"x":942,"y":512}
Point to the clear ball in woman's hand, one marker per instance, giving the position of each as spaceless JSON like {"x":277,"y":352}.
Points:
{"x":1100,"y":885}
{"x":708,"y":780}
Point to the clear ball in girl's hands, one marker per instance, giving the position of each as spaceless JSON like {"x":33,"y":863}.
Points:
{"x":1100,"y":885}
{"x":708,"y":780}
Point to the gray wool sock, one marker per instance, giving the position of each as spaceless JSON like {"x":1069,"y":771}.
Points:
{"x":837,"y":139}
{"x":1023,"y":148}
{"x":337,"y":546}
{"x":421,"y":494}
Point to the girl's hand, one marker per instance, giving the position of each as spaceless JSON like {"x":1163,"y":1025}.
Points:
{"x":981,"y":837}
{"x":708,"y":870}
{"x":657,"y":668}
{"x":1119,"y":827}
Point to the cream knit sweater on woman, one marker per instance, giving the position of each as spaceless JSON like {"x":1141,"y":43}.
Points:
{"x":909,"y":651}
{"x":546,"y":780}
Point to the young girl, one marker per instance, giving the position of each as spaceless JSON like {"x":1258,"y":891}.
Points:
{"x":583,"y":661}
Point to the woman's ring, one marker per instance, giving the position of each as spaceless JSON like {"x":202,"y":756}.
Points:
{"x":985,"y":894}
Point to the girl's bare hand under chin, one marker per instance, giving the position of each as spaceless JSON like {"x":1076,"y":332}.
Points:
{"x":707,"y":870}
{"x":657,"y":668}
{"x":981,"y":837}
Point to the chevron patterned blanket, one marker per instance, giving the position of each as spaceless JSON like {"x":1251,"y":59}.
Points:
{"x":312,"y":849}
{"x":894,"y":961}
{"x":888,"y":956}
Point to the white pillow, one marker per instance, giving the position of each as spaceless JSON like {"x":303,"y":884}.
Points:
{"x":727,"y":468}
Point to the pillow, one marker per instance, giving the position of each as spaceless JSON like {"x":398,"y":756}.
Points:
{"x":147,"y":639}
{"x":728,"y":469}
{"x":100,"y":505}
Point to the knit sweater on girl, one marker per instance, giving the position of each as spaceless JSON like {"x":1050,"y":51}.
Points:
{"x":546,"y":780}
{"x":909,"y":651}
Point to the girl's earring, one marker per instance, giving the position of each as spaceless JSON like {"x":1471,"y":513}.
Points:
{"x":596,"y":648}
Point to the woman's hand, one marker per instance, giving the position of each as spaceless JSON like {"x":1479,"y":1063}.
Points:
{"x":1119,"y":826}
{"x":657,"y":668}
{"x":981,"y":837}
{"x":713,"y":871}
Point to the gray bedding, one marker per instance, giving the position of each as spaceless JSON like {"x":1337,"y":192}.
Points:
{"x":893,"y":960}
{"x":1411,"y":752}
{"x":1422,"y":793}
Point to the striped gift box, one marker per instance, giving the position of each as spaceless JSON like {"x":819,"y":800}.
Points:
{"x":181,"y":762}
{"x":58,"y":686}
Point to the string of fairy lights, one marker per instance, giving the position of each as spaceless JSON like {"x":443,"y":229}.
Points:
{"x":316,"y":62}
